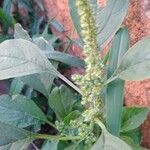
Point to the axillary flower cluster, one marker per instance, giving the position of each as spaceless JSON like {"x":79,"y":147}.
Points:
{"x":90,"y":83}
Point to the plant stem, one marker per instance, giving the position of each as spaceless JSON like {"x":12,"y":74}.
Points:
{"x":51,"y":124}
{"x":57,"y":138}
{"x":100,"y":123}
{"x":110,"y":80}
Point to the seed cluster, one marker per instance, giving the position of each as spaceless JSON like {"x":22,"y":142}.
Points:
{"x":90,"y":82}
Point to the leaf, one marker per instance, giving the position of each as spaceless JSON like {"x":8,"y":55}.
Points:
{"x":19,"y":145}
{"x":115,"y":90}
{"x":108,"y":19}
{"x":66,"y":58}
{"x":20,"y":111}
{"x":133,"y":117}
{"x":136,"y":62}
{"x":75,"y":16}
{"x":135,"y":134}
{"x":132,"y":144}
{"x":57,"y":25}
{"x":109,"y":142}
{"x":7,"y":6}
{"x":20,"y":33}
{"x":16,"y":86}
{"x":3,"y":18}
{"x":20,"y":57}
{"x":42,"y":44}
{"x":61,"y":100}
{"x":41,"y":82}
{"x":50,"y":145}
{"x":71,"y":116}
{"x":10,"y":134}
{"x":4,"y":37}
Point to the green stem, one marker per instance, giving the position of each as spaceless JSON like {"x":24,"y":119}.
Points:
{"x":52,"y":125}
{"x":100,"y":124}
{"x":110,"y":80}
{"x":56,"y":138}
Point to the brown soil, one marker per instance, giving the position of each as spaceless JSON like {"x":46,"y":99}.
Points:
{"x":138,"y":22}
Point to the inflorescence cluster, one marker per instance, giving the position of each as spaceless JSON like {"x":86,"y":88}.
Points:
{"x":90,"y":83}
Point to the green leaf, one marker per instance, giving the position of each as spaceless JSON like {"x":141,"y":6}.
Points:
{"x":4,"y":37}
{"x":61,"y":101}
{"x":71,"y":116}
{"x":7,"y":7}
{"x":57,"y":25}
{"x":115,"y":90}
{"x":75,"y":16}
{"x":20,"y":111}
{"x":20,"y":57}
{"x":10,"y":134}
{"x":108,"y":19}
{"x":132,"y":144}
{"x":41,"y":82}
{"x":3,"y":18}
{"x":66,"y":58}
{"x":135,"y":134}
{"x":109,"y":142}
{"x":19,"y":145}
{"x":50,"y":145}
{"x":16,"y":86}
{"x":136,"y":62}
{"x":20,"y":33}
{"x":133,"y":117}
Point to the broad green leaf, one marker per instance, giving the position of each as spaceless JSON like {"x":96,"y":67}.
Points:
{"x":108,"y":19}
{"x":16,"y":86}
{"x":66,"y":58}
{"x":133,"y":117}
{"x":19,"y":145}
{"x":136,"y":62}
{"x":109,"y":142}
{"x":61,"y":101}
{"x":42,"y":44}
{"x":20,"y":33}
{"x":10,"y":134}
{"x":41,"y":82}
{"x":20,"y":57}
{"x":115,"y":90}
{"x":50,"y":145}
{"x":20,"y":111}
{"x":132,"y":144}
{"x":135,"y":134}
